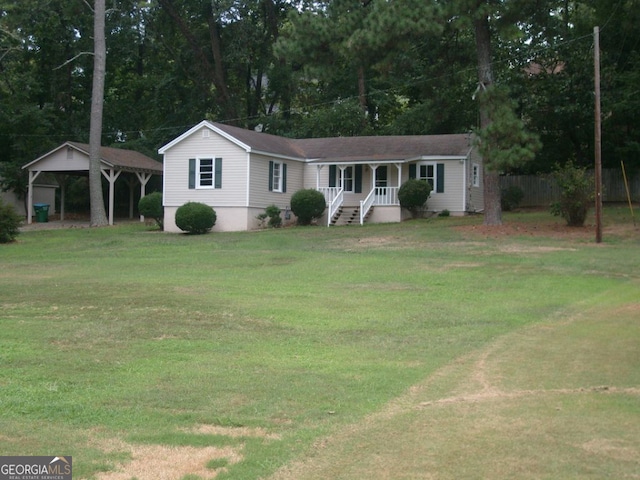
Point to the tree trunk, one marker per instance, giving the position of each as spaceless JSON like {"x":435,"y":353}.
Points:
{"x":98,"y":215}
{"x":362,"y":95}
{"x":492,"y":208}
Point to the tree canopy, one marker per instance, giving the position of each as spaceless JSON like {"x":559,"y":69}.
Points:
{"x":319,"y":68}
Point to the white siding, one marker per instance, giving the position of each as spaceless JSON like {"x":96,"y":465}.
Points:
{"x":259,"y":194}
{"x":310,"y":176}
{"x":64,"y":159}
{"x":234,"y":172}
{"x":475,"y":196}
{"x":452,"y":198}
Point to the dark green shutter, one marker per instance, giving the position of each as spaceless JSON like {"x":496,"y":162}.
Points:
{"x":333,"y":170}
{"x":440,"y":178}
{"x":192,"y":173}
{"x":358,"y":179}
{"x":412,"y":170}
{"x":284,"y":177}
{"x":218,"y":173}
{"x":271,"y":176}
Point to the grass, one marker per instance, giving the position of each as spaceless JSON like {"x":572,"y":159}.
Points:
{"x":269,"y":344}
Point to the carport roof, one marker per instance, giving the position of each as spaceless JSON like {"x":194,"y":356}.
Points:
{"x":116,"y":158}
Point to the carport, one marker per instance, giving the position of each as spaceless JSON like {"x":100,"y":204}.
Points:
{"x":72,"y":159}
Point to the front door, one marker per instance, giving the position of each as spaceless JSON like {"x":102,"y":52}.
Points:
{"x":381,"y":185}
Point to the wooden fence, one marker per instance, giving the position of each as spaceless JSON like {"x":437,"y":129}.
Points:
{"x":540,"y":191}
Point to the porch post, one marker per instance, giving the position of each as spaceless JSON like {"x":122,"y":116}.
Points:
{"x":318,"y":168}
{"x":374,"y":173}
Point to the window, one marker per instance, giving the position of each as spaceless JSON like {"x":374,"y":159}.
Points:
{"x":431,"y":172}
{"x":277,"y":177}
{"x":428,"y":172}
{"x":475,"y":175}
{"x":348,"y":180}
{"x":352,"y":178}
{"x":205,"y":173}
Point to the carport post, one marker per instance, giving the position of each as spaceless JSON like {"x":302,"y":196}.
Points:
{"x":32,"y":177}
{"x":144,"y":178}
{"x":61,"y":179}
{"x":111,"y":176}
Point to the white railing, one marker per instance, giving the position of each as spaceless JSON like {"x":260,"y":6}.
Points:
{"x":378,"y":196}
{"x":366,"y":204}
{"x":386,"y":196}
{"x":330,"y":193}
{"x":335,"y":203}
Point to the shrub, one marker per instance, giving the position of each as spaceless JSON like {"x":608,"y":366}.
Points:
{"x":151,"y":206}
{"x":413,"y":195}
{"x":307,"y":205}
{"x":195,"y":217}
{"x":577,"y":194}
{"x":9,"y":223}
{"x":511,"y":197}
{"x":444,"y":213}
{"x":272,"y":212}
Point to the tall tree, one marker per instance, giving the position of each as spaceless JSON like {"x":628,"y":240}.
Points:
{"x":503,"y":140}
{"x":98,"y":215}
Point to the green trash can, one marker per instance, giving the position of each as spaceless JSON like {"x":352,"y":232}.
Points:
{"x":42,"y":212}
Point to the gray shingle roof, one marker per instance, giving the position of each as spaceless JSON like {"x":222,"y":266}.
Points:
{"x":124,"y":159}
{"x":353,"y":149}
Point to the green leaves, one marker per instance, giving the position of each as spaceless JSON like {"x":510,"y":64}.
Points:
{"x":505,"y":143}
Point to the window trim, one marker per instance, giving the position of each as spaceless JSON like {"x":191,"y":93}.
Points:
{"x":437,"y":181}
{"x":199,"y":173}
{"x":349,"y":181}
{"x":277,"y":184}
{"x":276,"y":177}
{"x":196,"y":174}
{"x":475,"y":174}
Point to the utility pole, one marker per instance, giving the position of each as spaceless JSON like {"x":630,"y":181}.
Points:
{"x":598,"y":136}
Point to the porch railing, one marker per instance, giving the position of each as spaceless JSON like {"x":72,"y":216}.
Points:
{"x":378,"y":196}
{"x":366,"y":204}
{"x":330,"y":193}
{"x":386,"y":196}
{"x":335,"y":203}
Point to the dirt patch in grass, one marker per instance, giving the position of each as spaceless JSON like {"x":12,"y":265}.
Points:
{"x":550,"y":229}
{"x":159,"y":462}
{"x":162,"y":462}
{"x":521,"y":229}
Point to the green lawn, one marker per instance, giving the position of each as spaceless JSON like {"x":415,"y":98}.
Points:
{"x":264,"y":346}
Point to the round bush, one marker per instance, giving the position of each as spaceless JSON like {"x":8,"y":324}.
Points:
{"x":151,"y":206}
{"x":413,"y":194}
{"x":9,"y":223}
{"x":307,"y":205}
{"x":195,"y":217}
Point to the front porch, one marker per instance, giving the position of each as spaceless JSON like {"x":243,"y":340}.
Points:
{"x":349,"y":203}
